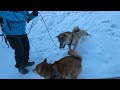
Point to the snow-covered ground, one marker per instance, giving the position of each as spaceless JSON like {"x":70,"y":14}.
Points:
{"x":100,"y":52}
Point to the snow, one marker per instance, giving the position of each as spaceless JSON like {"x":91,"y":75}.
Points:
{"x":100,"y":52}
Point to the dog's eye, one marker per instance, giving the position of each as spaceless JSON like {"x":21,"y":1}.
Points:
{"x":39,"y":70}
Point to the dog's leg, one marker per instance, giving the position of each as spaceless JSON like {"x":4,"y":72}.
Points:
{"x":75,"y":45}
{"x":69,"y":46}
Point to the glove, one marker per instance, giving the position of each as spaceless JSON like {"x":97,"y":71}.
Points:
{"x":28,"y":19}
{"x":35,"y":13}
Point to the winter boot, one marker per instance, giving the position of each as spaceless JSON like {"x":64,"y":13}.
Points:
{"x":29,"y":64}
{"x":23,"y":70}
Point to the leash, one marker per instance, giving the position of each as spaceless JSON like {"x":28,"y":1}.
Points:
{"x":49,"y":32}
{"x":47,"y":29}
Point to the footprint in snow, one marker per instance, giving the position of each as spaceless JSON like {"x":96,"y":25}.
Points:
{"x":106,"y":21}
{"x":113,"y":26}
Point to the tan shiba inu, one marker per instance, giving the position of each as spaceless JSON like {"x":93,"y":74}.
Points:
{"x":71,"y":38}
{"x":68,"y":67}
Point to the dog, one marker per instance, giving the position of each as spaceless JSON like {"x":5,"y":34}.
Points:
{"x":68,"y":67}
{"x":71,"y":38}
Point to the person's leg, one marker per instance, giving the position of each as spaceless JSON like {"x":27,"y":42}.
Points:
{"x":26,"y":46}
{"x":16,"y":44}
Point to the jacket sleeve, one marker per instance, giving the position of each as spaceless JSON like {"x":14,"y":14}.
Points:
{"x":12,"y":16}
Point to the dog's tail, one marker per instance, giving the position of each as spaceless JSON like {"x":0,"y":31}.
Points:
{"x":85,"y":33}
{"x":74,"y":54}
{"x":76,"y":29}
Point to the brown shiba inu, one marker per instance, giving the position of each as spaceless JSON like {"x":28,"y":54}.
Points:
{"x":71,"y":38}
{"x":68,"y":67}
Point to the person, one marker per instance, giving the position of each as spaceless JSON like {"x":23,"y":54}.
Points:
{"x":14,"y":23}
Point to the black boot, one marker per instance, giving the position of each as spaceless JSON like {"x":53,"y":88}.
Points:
{"x":23,"y":70}
{"x":29,"y":64}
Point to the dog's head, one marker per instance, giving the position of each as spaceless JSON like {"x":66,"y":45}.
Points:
{"x":63,"y":39}
{"x":42,"y":69}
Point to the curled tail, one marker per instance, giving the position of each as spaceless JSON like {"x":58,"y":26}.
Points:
{"x":74,"y":54}
{"x":76,"y":29}
{"x":85,"y":33}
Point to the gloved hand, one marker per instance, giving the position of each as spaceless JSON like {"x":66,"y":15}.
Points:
{"x":28,"y":19}
{"x":35,"y":13}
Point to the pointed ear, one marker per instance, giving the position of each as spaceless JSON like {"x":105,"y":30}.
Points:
{"x":45,"y":60}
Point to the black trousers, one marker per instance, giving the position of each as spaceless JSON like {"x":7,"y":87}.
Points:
{"x":21,"y":46}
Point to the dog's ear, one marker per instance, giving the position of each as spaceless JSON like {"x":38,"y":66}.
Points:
{"x":45,"y":60}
